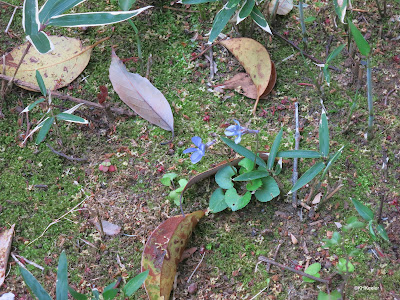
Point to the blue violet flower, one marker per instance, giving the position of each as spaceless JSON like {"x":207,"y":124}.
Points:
{"x":238,"y":131}
{"x":198,"y":152}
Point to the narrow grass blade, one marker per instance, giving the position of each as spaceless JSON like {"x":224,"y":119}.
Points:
{"x":126,"y":4}
{"x":363,"y":210}
{"x":44,"y":130}
{"x":308,"y":176}
{"x":382,"y":232}
{"x":299,"y":154}
{"x":135,"y":283}
{"x":331,"y":162}
{"x":62,"y":278}
{"x":34,"y":285}
{"x":334,"y":53}
{"x":33,"y":105}
{"x":340,"y":8}
{"x":323,"y":135}
{"x":244,"y":151}
{"x":274,"y":150}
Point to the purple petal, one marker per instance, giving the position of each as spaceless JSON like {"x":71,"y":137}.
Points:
{"x":189,"y":150}
{"x":196,"y":140}
{"x":231,"y":128}
{"x":230,"y":133}
{"x":238,"y":139}
{"x":237,"y":122}
{"x":196,"y":157}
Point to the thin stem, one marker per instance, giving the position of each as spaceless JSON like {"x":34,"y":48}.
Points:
{"x":9,"y":86}
{"x":257,"y":142}
{"x":295,"y":160}
{"x":303,"y":25}
{"x":138,"y":43}
{"x":370,"y":100}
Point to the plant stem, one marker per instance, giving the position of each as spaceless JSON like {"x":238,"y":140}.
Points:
{"x":295,"y":160}
{"x":10,"y":83}
{"x":370,"y":100}
{"x":303,"y":25}
{"x":138,"y":43}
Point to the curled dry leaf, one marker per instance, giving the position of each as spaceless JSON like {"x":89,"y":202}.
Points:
{"x":255,"y":59}
{"x":108,"y":228}
{"x":294,"y":239}
{"x":163,"y":252}
{"x":5,"y":247}
{"x":284,"y":7}
{"x":243,"y":84}
{"x":140,"y":95}
{"x":58,"y":68}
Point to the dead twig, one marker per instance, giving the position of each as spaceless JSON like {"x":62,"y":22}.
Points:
{"x":64,"y":155}
{"x":388,"y":94}
{"x":202,"y":52}
{"x":198,"y":265}
{"x":100,"y":223}
{"x":11,"y":19}
{"x":9,"y":4}
{"x":268,"y":267}
{"x":271,"y":261}
{"x":148,"y":66}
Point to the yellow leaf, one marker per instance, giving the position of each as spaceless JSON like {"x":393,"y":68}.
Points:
{"x":58,"y":68}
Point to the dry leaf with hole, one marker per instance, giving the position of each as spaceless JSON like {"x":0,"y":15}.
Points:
{"x":317,"y":198}
{"x":5,"y":247}
{"x":58,"y":68}
{"x":108,"y":228}
{"x":255,"y":59}
{"x":140,"y":95}
{"x":284,"y":7}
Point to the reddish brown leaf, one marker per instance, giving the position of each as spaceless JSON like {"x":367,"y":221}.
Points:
{"x":5,"y":247}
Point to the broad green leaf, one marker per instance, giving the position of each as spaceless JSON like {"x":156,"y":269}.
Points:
{"x":254,"y":185}
{"x":182,"y":183}
{"x":217,"y":201}
{"x":220,"y":21}
{"x":312,"y":270}
{"x":371,"y":230}
{"x":334,"y":240}
{"x":94,"y":18}
{"x":340,"y":8}
{"x":268,"y":191}
{"x":224,"y":177}
{"x":246,"y":164}
{"x":252,"y":175}
{"x":244,"y":151}
{"x":245,"y":10}
{"x":308,"y":176}
{"x":306,"y":279}
{"x":331,"y":162}
{"x":33,"y":105}
{"x":310,"y":19}
{"x":126,"y":4}
{"x":335,"y":295}
{"x":232,"y":4}
{"x":323,"y":135}
{"x":362,"y":44}
{"x":30,"y":17}
{"x":168,"y":178}
{"x":135,"y":283}
{"x":353,"y":223}
{"x":96,"y":294}
{"x":333,"y":54}
{"x":40,"y":82}
{"x":41,"y":42}
{"x":363,"y":210}
{"x":274,"y":150}
{"x":197,"y":1}
{"x":382,"y":232}
{"x":327,"y":74}
{"x":342,"y":266}
{"x":34,"y":285}
{"x":71,"y":118}
{"x":76,"y":295}
{"x":235,"y":201}
{"x":62,"y":278}
{"x":109,"y":287}
{"x":176,"y":197}
{"x":110,"y":294}
{"x":56,"y":7}
{"x":299,"y":154}
{"x":44,"y":130}
{"x":260,"y":20}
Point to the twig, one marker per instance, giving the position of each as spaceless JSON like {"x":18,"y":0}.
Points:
{"x":198,"y":265}
{"x":388,"y":94}
{"x":267,"y":279}
{"x":100,"y":223}
{"x":295,"y":160}
{"x":316,"y":60}
{"x":335,"y":190}
{"x":27,"y":260}
{"x":180,"y":9}
{"x":65,"y":156}
{"x":267,"y":260}
{"x":57,"y":220}
{"x":11,"y":19}
{"x":268,"y":267}
{"x":302,"y":204}
{"x":67,"y":97}
{"x":201,"y":53}
{"x":9,"y":4}
{"x":212,"y":73}
{"x":10,"y":82}
{"x":148,"y":66}
{"x":380,"y":209}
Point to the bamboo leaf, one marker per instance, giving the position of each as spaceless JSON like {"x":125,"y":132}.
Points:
{"x":331,"y":162}
{"x":135,"y":283}
{"x":71,"y":118}
{"x":308,"y":176}
{"x":62,"y":278}
{"x":362,"y":44}
{"x":44,"y":130}
{"x":30,"y":17}
{"x":244,"y":151}
{"x":41,"y":84}
{"x":76,"y":295}
{"x":245,"y":10}
{"x":363,"y":210}
{"x":299,"y":154}
{"x":220,"y":21}
{"x":323,"y":135}
{"x":34,"y":285}
{"x":274,"y":150}
{"x":260,"y":20}
{"x":56,"y":7}
{"x":382,"y":232}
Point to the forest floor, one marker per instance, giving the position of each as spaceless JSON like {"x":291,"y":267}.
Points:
{"x":37,"y":186}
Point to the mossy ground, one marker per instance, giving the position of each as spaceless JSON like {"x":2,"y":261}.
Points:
{"x":134,"y":198}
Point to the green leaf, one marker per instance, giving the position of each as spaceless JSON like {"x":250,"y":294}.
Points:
{"x":110,"y":294}
{"x":333,"y":54}
{"x":299,"y":154}
{"x":244,"y":151}
{"x":217,"y":201}
{"x":382,"y":232}
{"x":220,"y":21}
{"x":336,"y":237}
{"x":274,"y":150}
{"x":256,"y":174}
{"x":235,"y":201}
{"x":246,"y":164}
{"x":94,"y":18}
{"x":260,"y":20}
{"x":312,"y":270}
{"x":353,"y":223}
{"x":278,"y":167}
{"x":110,"y":286}
{"x":135,"y":283}
{"x":175,"y":196}
{"x":362,"y":44}
{"x":33,"y":105}
{"x":355,"y":252}
{"x":56,"y":7}
{"x":168,"y":178}
{"x":71,"y":118}
{"x":62,"y":278}
{"x":268,"y":191}
{"x":327,"y":74}
{"x":341,"y":266}
{"x":308,"y":176}
{"x":34,"y":285}
{"x":96,"y":294}
{"x":232,"y":4}
{"x":41,"y":42}
{"x":182,"y":183}
{"x":323,"y":135}
{"x":44,"y":130}
{"x":340,"y":8}
{"x":30,"y":20}
{"x":76,"y":295}
{"x":363,"y":210}
{"x":335,"y":295}
{"x":40,"y":82}
{"x":245,"y":10}
{"x":310,"y":19}
{"x":126,"y":4}
{"x":224,"y":177}
{"x":371,"y":230}
{"x":306,"y":279}
{"x":197,"y":1}
{"x":254,"y":185}
{"x":331,"y":162}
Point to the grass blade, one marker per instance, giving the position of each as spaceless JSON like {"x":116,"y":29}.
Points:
{"x":308,"y":176}
{"x":323,"y":135}
{"x":299,"y":154}
{"x":362,"y":44}
{"x":274,"y":150}
{"x":62,"y":278}
{"x":244,"y":151}
{"x":41,"y":84}
{"x":34,"y":285}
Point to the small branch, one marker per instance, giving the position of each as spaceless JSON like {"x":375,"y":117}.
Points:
{"x":380,"y":209}
{"x":148,"y":66}
{"x":10,"y":82}
{"x":267,"y":260}
{"x":100,"y":224}
{"x":295,"y":160}
{"x":65,"y":156}
{"x":387,"y":96}
{"x":201,"y":53}
{"x":304,"y":53}
{"x":9,"y":4}
{"x":268,"y":267}
{"x":11,"y":19}
{"x":198,"y":265}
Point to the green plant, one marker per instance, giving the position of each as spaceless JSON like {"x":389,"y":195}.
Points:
{"x":62,"y":287}
{"x":245,"y":8}
{"x":48,"y":119}
{"x":168,"y":180}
